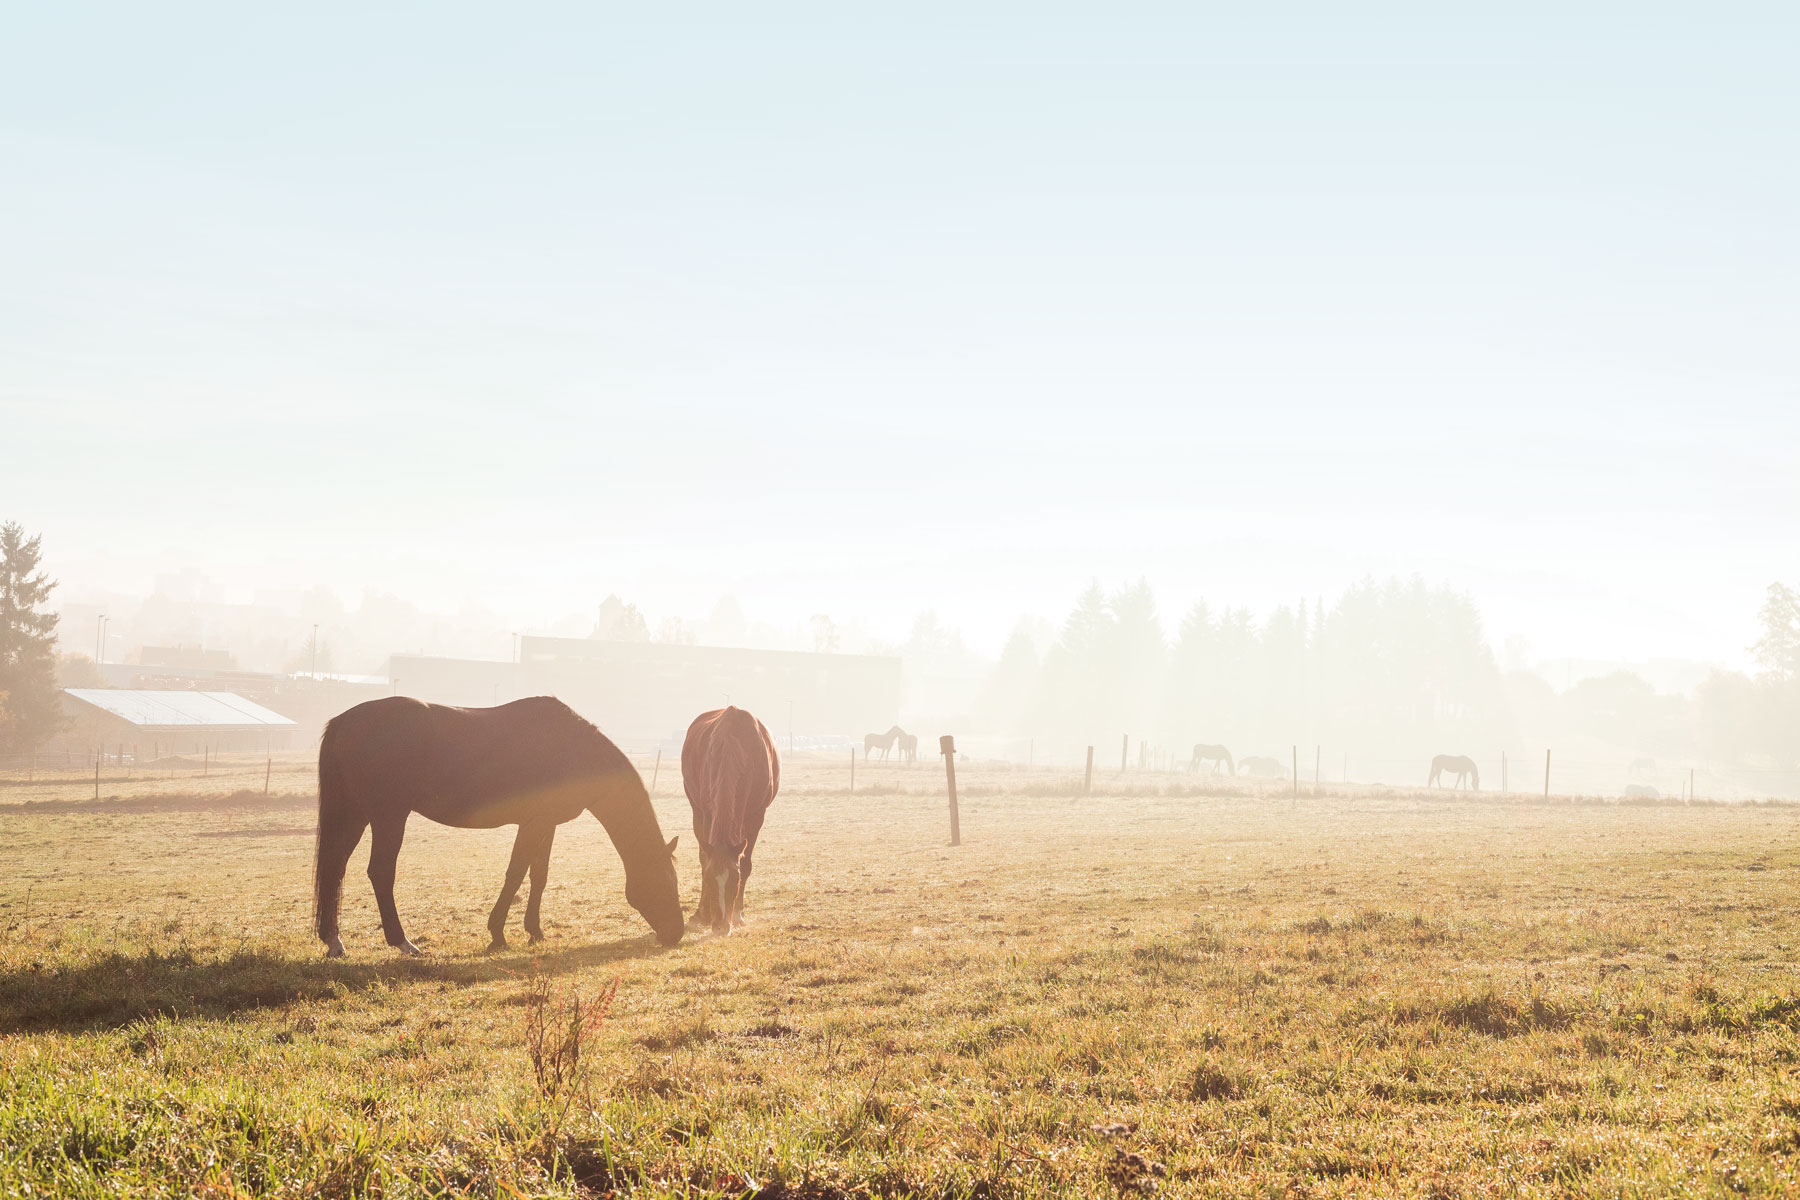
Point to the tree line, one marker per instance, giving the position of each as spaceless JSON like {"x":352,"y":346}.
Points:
{"x":1393,"y":669}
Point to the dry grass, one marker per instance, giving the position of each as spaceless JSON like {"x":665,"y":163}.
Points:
{"x":1170,"y":986}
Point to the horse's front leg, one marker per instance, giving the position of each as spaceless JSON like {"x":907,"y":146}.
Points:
{"x":540,"y":869}
{"x":515,"y":874}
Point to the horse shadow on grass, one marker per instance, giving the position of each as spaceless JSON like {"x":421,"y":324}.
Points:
{"x":117,"y":989}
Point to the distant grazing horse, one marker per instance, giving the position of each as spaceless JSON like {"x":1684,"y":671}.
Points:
{"x":1259,"y":767}
{"x":883,"y":742}
{"x":1457,"y":765}
{"x":731,"y":772}
{"x":908,"y":744}
{"x":1218,"y":756}
{"x":533,"y":763}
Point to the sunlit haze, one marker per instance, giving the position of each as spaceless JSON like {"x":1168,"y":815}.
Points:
{"x":869,"y":314}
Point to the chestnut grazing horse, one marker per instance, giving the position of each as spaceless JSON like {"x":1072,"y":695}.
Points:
{"x":533,"y":763}
{"x":731,"y":772}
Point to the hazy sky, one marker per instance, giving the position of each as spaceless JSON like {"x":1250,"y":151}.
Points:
{"x":865,"y":312}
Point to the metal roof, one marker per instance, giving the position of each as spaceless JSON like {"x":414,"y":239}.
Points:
{"x":179,"y":709}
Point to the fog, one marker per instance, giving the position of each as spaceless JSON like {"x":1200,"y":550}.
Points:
{"x":1354,"y":388}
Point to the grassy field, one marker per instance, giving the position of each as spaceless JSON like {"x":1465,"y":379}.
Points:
{"x":1160,"y":988}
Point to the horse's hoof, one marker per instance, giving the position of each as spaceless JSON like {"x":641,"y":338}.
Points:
{"x":496,"y":946}
{"x":334,"y":948}
{"x":407,"y":948}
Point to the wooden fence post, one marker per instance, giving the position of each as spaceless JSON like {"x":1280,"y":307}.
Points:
{"x":656,"y":769}
{"x":1123,"y":747}
{"x":97,"y":776}
{"x":1546,"y":774}
{"x":947,"y":747}
{"x":268,"y":766}
{"x":1087,"y":782}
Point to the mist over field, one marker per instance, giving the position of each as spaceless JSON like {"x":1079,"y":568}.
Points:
{"x":975,"y":600}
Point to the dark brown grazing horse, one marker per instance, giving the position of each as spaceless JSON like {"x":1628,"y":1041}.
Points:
{"x":731,"y":772}
{"x":533,"y":763}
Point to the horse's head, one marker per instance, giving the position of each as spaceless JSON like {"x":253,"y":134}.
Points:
{"x":652,"y":889}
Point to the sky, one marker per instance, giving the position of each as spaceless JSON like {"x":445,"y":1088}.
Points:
{"x":944,"y":306}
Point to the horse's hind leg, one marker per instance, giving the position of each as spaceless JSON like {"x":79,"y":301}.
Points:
{"x":335,"y":848}
{"x":745,"y":862}
{"x":515,"y":874}
{"x":707,"y":913}
{"x":540,"y":868}
{"x":384,"y":853}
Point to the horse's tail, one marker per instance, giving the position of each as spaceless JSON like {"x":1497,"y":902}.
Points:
{"x":340,"y":828}
{"x":740,"y":774}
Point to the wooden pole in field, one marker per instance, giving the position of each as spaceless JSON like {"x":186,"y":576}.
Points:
{"x":96,"y":776}
{"x":947,"y":747}
{"x":1690,"y":785}
{"x":268,"y":766}
{"x":657,"y":769}
{"x":206,"y":760}
{"x":1546,"y":774}
{"x":1087,"y":782}
{"x":1123,"y":747}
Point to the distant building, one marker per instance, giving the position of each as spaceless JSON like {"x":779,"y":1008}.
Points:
{"x":650,"y":690}
{"x":153,"y":723}
{"x":187,"y":657}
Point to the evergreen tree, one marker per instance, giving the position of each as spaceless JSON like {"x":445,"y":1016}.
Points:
{"x":32,"y":709}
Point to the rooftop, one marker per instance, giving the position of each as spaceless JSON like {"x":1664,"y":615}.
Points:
{"x":176,"y":708}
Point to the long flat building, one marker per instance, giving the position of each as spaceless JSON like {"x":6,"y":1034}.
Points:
{"x":653,"y":689}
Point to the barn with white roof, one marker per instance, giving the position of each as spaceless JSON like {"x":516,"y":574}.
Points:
{"x":173,"y":721}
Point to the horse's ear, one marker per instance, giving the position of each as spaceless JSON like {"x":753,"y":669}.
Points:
{"x":672,"y":842}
